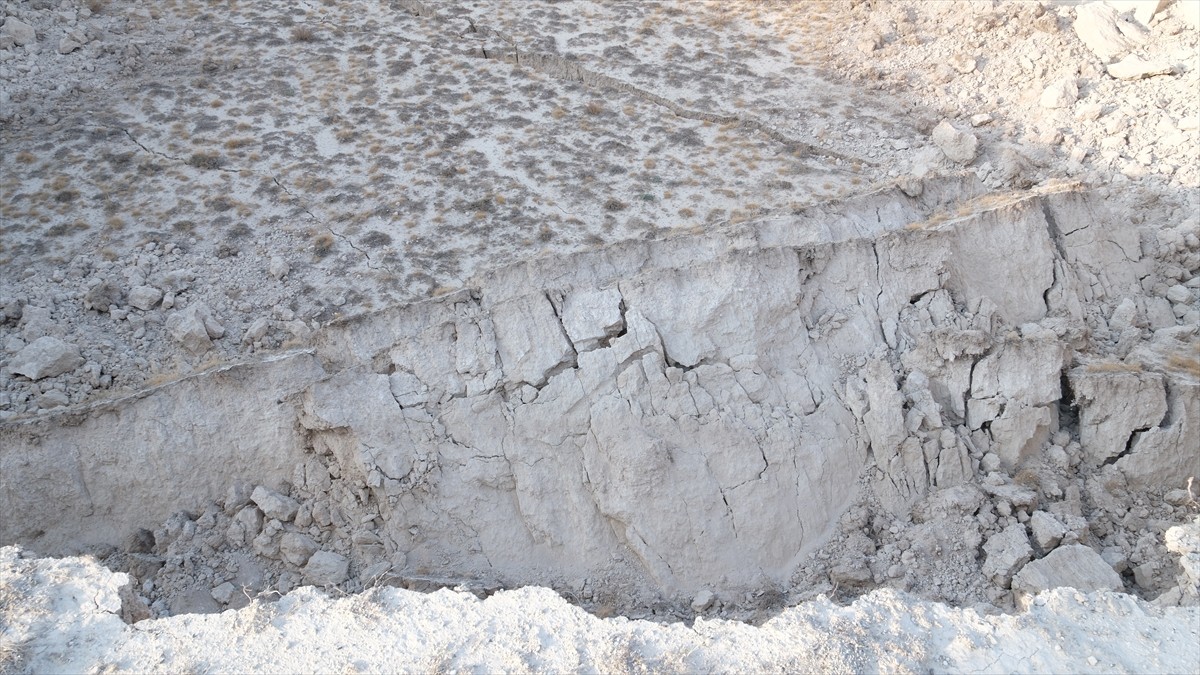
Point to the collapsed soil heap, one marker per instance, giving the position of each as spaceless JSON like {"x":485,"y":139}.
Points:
{"x":925,"y":392}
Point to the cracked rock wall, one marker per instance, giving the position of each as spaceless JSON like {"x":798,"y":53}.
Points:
{"x":660,"y":416}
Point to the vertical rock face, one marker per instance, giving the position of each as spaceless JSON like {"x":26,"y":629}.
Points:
{"x":678,"y":414}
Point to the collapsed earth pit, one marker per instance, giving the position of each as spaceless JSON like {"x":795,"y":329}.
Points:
{"x":856,"y":395}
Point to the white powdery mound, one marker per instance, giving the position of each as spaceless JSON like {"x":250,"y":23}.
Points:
{"x":64,"y":615}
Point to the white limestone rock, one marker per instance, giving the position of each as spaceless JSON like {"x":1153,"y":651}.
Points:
{"x":1105,"y":32}
{"x":67,"y":45}
{"x":1006,"y":552}
{"x":102,"y":296}
{"x":1061,"y":93}
{"x":1047,"y":531}
{"x":46,"y":357}
{"x":274,"y":505}
{"x":958,"y":146}
{"x":1112,"y":405}
{"x":1143,"y":10}
{"x":194,"y":327}
{"x":591,"y":316}
{"x":530,"y":339}
{"x":1134,"y":68}
{"x":144,"y":297}
{"x":278,"y":268}
{"x":256,"y":330}
{"x":22,"y":34}
{"x":326,"y":568}
{"x":1074,"y":566}
{"x":223,"y":593}
{"x":296,"y":548}
{"x":703,"y":600}
{"x":1185,"y":540}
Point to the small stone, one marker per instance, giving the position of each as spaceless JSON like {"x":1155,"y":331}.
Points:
{"x":1060,"y":94}
{"x":21,"y":33}
{"x":189,"y":331}
{"x":1115,"y":557}
{"x":53,"y":399}
{"x":102,"y":296}
{"x":46,"y":357}
{"x":1179,"y":294}
{"x":67,"y":45}
{"x":851,"y":573}
{"x":175,"y":281}
{"x":144,"y":297}
{"x":274,"y":505}
{"x":257,"y":329}
{"x":1089,"y":112}
{"x":1133,"y":68}
{"x":958,"y":146}
{"x":237,"y":496}
{"x":278,"y":268}
{"x":266,"y":545}
{"x":224,"y":593}
{"x":194,"y":327}
{"x":1177,"y":497}
{"x":703,"y":600}
{"x":296,"y":548}
{"x":964,"y":65}
{"x":1006,"y":552}
{"x":980,"y":119}
{"x":869,"y":43}
{"x":1143,"y":575}
{"x":326,"y":568}
{"x":1047,"y":531}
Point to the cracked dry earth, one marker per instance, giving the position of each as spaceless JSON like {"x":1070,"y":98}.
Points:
{"x":599,"y":336}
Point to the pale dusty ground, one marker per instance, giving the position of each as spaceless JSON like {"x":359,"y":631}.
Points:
{"x":535,"y":630}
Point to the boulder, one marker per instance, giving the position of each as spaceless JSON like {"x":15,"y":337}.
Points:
{"x":194,"y":327}
{"x":274,"y":505}
{"x":325,"y":568}
{"x":1075,"y":566}
{"x":1101,"y":28}
{"x":1134,"y":68}
{"x":1061,"y":93}
{"x":1185,"y":540}
{"x":1006,"y":552}
{"x":296,"y":548}
{"x":46,"y":357}
{"x":1113,"y":405}
{"x":958,"y":146}
{"x":1047,"y":531}
{"x":144,"y":297}
{"x":102,"y":296}
{"x":21,"y":33}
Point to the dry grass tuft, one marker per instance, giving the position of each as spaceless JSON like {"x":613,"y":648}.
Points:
{"x":1114,"y":367}
{"x":1188,"y":363}
{"x":304,"y":34}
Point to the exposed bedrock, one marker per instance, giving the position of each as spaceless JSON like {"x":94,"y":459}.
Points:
{"x":682,"y":413}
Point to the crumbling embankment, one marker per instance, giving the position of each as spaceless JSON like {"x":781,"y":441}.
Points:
{"x":654,"y":418}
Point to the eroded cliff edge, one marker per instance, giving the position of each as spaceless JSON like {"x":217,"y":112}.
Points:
{"x":654,"y":419}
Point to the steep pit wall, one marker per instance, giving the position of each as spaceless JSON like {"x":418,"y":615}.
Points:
{"x":658,"y":417}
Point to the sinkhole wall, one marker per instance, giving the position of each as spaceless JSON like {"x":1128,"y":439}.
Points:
{"x":676,"y":414}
